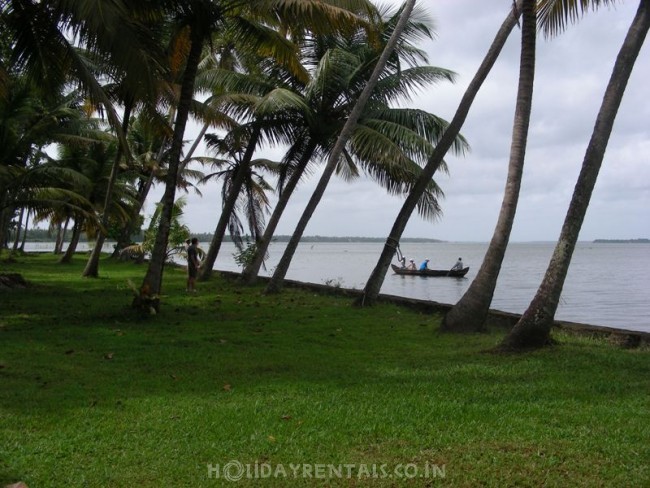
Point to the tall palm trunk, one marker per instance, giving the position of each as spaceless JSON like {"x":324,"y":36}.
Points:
{"x":250,"y":272}
{"x":192,"y":149}
{"x":275,"y":284}
{"x":152,"y":282}
{"x":534,"y":327}
{"x":19,"y":227}
{"x":74,"y":240}
{"x":470,"y":313}
{"x":5,"y":217}
{"x":22,"y":244}
{"x":376,"y":278}
{"x":4,"y":226}
{"x":92,"y":266}
{"x":228,"y":207}
{"x":60,"y":236}
{"x":129,"y":228}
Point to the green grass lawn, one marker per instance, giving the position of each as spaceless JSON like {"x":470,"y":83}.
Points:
{"x":298,"y":389}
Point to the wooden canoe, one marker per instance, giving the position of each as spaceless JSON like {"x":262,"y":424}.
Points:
{"x":457,"y":273}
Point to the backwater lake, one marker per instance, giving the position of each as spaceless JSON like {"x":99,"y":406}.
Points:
{"x":608,"y":284}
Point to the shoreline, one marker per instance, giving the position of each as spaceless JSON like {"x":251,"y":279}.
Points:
{"x":628,"y":338}
{"x":496,"y":318}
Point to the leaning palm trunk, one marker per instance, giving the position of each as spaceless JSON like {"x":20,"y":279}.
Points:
{"x":152,"y":282}
{"x":92,"y":266}
{"x":74,"y":241}
{"x":60,"y":236}
{"x":250,"y":272}
{"x":129,"y":228}
{"x":19,"y":228}
{"x":228,"y":208}
{"x":5,"y":218}
{"x":22,"y":244}
{"x":534,"y":327}
{"x":470,"y":313}
{"x":275,"y":284}
{"x":376,"y":279}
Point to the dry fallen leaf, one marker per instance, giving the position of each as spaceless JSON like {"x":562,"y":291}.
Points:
{"x":227,"y":387}
{"x":108,"y":355}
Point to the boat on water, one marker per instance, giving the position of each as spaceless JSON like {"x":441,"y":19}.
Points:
{"x":455,"y":273}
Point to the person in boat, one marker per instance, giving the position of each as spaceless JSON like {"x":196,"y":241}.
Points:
{"x":402,"y":262}
{"x":425,"y":265}
{"x":411,"y":265}
{"x":458,"y":266}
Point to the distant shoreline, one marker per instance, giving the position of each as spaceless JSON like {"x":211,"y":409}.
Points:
{"x":40,"y":236}
{"x":622,"y":241}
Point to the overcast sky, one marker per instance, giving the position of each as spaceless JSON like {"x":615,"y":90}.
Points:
{"x":571,"y":74}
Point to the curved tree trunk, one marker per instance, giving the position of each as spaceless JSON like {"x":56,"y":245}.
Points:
{"x":22,"y":244}
{"x":534,"y":327}
{"x":127,"y":231}
{"x":275,"y":285}
{"x":60,"y":236}
{"x":74,"y":240}
{"x":92,"y":266}
{"x":228,"y":208}
{"x":5,"y":217}
{"x":250,"y":272}
{"x":376,"y":278}
{"x":19,"y":228}
{"x":470,"y":313}
{"x":152,"y":282}
{"x":143,"y":192}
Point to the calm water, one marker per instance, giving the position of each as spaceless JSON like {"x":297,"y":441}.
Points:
{"x":607,"y":284}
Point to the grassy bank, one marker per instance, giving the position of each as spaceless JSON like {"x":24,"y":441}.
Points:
{"x":295,"y":385}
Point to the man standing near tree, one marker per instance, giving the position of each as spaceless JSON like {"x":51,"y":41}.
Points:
{"x":192,"y":264}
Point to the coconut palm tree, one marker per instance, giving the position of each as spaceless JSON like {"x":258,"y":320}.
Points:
{"x":27,"y":124}
{"x":376,"y":278}
{"x":254,"y":96}
{"x":304,"y":156}
{"x":92,"y":266}
{"x":200,"y":18}
{"x":534,"y":327}
{"x":386,"y":140}
{"x":470,"y":313}
{"x":179,"y":234}
{"x":347,"y":133}
{"x":94,"y":160}
{"x":61,"y":41}
{"x":147,"y":139}
{"x":46,"y":37}
{"x":252,"y":201}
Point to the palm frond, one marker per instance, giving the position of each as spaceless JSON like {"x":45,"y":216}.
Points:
{"x":404,"y":84}
{"x":553,"y":16}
